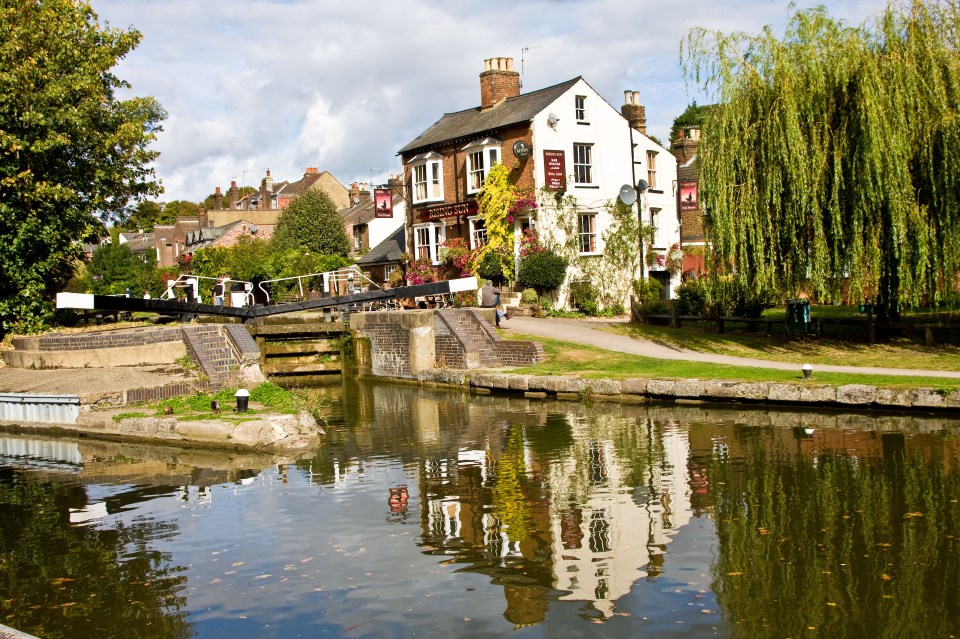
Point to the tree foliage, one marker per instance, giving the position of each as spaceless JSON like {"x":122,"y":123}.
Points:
{"x":493,"y":206}
{"x":114,"y":269}
{"x":70,"y":150}
{"x":312,"y":223}
{"x":835,"y":152}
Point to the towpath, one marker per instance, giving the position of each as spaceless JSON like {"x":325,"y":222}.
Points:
{"x":590,"y":331}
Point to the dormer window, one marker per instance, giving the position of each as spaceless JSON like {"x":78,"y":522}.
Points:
{"x":427,"y":171}
{"x":482,"y":156}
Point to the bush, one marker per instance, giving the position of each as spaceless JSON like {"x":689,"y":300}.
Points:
{"x":729,"y":297}
{"x":693,"y":298}
{"x":492,"y":266}
{"x":542,"y":271}
{"x":647,"y":290}
{"x":528,"y":297}
{"x":584,"y":296}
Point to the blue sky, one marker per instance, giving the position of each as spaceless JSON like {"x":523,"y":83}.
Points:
{"x":255,"y":84}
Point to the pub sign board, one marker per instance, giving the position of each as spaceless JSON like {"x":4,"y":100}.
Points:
{"x":383,"y":200}
{"x":554,"y":170}
{"x":455,"y":209}
{"x":688,"y":196}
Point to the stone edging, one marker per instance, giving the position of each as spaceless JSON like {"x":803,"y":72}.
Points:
{"x":861,"y":396}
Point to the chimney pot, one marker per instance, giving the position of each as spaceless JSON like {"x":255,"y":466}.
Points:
{"x":498,"y":82}
{"x":218,"y":190}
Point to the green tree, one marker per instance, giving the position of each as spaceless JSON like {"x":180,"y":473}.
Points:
{"x":834,"y":153}
{"x":493,"y":206}
{"x":312,"y":223}
{"x":70,"y":150}
{"x":114,"y":269}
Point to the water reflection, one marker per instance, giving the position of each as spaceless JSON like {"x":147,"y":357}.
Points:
{"x":445,"y":513}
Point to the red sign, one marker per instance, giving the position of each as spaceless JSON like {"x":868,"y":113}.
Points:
{"x":383,"y":199}
{"x":554,"y":170}
{"x":688,"y":196}
{"x":449,"y":210}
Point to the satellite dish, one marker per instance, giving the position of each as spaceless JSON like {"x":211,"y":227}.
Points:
{"x":642,"y":186}
{"x":552,"y":119}
{"x":628,"y":194}
{"x":253,"y":229}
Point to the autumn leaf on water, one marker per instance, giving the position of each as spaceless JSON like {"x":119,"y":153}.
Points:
{"x":886,"y":577}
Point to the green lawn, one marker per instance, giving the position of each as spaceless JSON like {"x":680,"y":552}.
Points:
{"x":899,"y":353}
{"x":569,"y":358}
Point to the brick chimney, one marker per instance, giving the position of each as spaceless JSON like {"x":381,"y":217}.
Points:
{"x":634,"y":112}
{"x":498,"y":82}
{"x":232,"y":198}
{"x":217,"y":200}
{"x":266,"y":192}
{"x":685,"y":146}
{"x":360,"y":193}
{"x":311,"y":170}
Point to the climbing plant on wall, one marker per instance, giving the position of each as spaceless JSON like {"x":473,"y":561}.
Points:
{"x":834,"y":153}
{"x":493,"y":206}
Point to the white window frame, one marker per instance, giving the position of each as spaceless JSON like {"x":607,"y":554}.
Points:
{"x":582,"y":163}
{"x":478,"y":232}
{"x":587,"y":239}
{"x":652,"y":169}
{"x":426,"y":174}
{"x":427,"y":239}
{"x":580,"y":108}
{"x":654,"y":216}
{"x":482,"y":155}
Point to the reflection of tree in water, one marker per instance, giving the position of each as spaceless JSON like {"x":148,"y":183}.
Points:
{"x":509,"y":498}
{"x":853,"y":546}
{"x":96,"y":583}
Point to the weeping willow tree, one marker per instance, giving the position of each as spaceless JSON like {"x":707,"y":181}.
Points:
{"x":834,"y":154}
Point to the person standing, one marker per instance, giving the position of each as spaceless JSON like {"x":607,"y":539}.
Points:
{"x":490,"y":298}
{"x":218,"y":291}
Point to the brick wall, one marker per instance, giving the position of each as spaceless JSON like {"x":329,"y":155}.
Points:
{"x":109,"y":339}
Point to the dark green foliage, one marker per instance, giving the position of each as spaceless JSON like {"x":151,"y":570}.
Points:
{"x":117,"y":270}
{"x":542,"y":271}
{"x":311,"y":223}
{"x":733,"y":298}
{"x":693,"y":115}
{"x":584,"y":296}
{"x":492,"y":266}
{"x":70,"y":150}
{"x":693,"y":297}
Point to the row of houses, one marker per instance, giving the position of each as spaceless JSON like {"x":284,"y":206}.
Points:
{"x":564,"y":139}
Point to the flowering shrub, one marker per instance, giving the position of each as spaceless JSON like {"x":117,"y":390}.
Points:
{"x":530,"y":244}
{"x":422,"y":272}
{"x":521,"y":202}
{"x":456,"y":257}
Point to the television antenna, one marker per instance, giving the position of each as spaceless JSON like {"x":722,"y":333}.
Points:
{"x":523,"y":55}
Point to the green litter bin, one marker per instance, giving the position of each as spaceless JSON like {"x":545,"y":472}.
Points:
{"x":798,"y":316}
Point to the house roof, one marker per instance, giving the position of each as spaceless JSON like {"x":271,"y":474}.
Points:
{"x":365,"y":210}
{"x":515,"y":110}
{"x":389,"y":250}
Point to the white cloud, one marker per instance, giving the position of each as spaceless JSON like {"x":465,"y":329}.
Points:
{"x":252,"y":84}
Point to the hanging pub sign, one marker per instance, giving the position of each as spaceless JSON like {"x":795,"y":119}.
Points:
{"x":449,"y":210}
{"x":554,"y":170}
{"x":383,"y":200}
{"x":688,"y":196}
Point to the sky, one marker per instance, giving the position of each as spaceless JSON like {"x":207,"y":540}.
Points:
{"x":251,"y":85}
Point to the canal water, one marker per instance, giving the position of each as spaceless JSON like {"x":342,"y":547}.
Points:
{"x":434,"y":514}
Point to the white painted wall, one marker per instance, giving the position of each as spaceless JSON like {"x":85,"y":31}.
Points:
{"x":380,"y":228}
{"x":614,"y":164}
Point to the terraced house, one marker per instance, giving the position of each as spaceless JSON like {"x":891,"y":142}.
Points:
{"x":565,"y":138}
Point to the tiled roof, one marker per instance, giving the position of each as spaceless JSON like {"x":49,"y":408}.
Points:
{"x":522,"y":108}
{"x":389,"y":250}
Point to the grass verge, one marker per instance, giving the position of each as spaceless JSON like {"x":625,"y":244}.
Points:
{"x":893,"y":354}
{"x":569,"y":358}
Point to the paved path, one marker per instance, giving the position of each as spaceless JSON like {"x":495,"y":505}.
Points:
{"x":590,"y":332}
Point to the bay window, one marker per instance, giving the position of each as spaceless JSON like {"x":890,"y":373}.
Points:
{"x":482,"y":155}
{"x":427,"y":171}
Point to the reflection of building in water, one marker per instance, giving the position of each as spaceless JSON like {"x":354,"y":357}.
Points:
{"x":609,"y":532}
